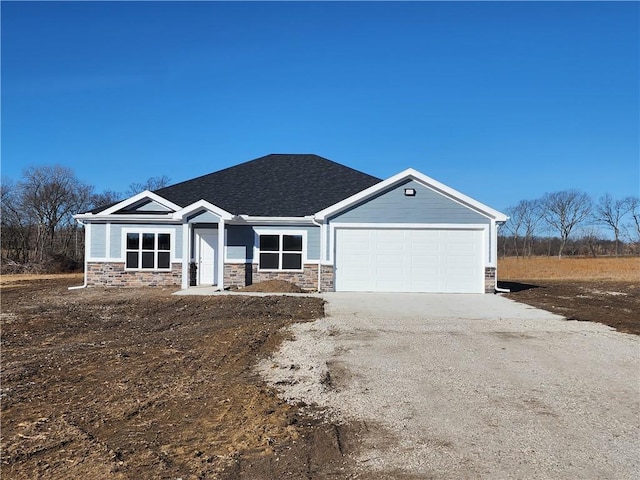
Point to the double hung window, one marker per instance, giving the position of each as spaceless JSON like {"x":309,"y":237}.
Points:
{"x":280,"y":252}
{"x":148,"y":251}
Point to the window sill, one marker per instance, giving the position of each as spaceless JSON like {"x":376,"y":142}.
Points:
{"x":147,"y":269}
{"x":261,"y":270}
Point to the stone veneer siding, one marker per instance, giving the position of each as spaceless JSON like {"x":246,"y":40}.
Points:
{"x":243,"y":274}
{"x":113,"y":274}
{"x":489,"y":279}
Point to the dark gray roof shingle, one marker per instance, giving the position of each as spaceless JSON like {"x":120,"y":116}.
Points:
{"x":276,"y":185}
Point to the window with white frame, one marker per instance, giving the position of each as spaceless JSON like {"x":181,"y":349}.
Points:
{"x":147,"y":251}
{"x":280,"y":251}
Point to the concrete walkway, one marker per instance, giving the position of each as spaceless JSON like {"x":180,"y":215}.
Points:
{"x":469,"y":386}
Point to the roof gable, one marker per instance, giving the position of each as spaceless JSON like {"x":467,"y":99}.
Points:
{"x":276,"y":185}
{"x":402,"y":177}
{"x":143,"y":202}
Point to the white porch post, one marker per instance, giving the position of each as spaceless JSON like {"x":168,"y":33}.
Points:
{"x":221,"y":243}
{"x":186,"y":257}
{"x":322,"y":255}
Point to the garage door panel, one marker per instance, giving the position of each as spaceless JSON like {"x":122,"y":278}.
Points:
{"x":411,"y":260}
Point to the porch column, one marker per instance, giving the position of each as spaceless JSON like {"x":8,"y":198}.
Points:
{"x":186,"y":244}
{"x":221,"y":243}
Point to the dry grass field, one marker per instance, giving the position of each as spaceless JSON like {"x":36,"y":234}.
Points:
{"x":569,"y":268}
{"x":18,"y":279}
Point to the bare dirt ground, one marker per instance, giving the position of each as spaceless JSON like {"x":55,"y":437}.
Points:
{"x":137,"y":383}
{"x":604,"y":290}
{"x":614,"y":303}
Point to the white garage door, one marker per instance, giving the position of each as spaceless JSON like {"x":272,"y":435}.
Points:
{"x":412,"y":260}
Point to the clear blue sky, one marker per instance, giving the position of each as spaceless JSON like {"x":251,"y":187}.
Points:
{"x":502,"y":101}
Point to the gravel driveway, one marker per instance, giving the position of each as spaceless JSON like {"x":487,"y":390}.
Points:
{"x":469,"y":386}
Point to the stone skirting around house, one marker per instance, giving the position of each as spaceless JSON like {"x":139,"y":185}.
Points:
{"x":113,"y":274}
{"x":489,"y":279}
{"x":244,"y":274}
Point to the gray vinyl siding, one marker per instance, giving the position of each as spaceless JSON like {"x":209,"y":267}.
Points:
{"x":98,"y":241}
{"x":240,"y":242}
{"x":313,"y":243}
{"x":116,"y":241}
{"x":428,"y":206}
{"x":241,"y":239}
{"x":116,"y":237}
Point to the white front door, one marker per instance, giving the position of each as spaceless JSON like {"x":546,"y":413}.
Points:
{"x":206,"y":246}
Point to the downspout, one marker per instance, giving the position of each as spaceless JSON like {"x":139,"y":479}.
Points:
{"x":220,"y":252}
{"x":84,"y":285}
{"x":322,"y":249}
{"x":496,"y":288}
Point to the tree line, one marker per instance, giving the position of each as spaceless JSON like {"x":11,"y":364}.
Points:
{"x":572,"y":222}
{"x":36,"y":217}
{"x":39,"y":233}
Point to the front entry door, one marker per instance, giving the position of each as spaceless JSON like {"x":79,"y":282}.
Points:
{"x":207,"y":243}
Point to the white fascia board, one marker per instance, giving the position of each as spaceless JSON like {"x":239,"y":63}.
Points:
{"x":126,"y":218}
{"x":182,"y":213}
{"x":410,"y":173}
{"x":136,"y":198}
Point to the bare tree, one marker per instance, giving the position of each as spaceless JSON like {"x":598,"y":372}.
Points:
{"x":104,"y":199}
{"x":531,"y":218}
{"x":565,"y":210}
{"x":634,"y":209}
{"x":152,"y":183}
{"x":16,"y":227}
{"x":610,"y":212}
{"x":514,"y":224}
{"x":49,"y":196}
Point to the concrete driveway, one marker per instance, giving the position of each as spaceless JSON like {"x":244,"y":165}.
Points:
{"x":469,"y":386}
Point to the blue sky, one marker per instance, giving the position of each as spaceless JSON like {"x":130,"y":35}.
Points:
{"x":501,"y":101}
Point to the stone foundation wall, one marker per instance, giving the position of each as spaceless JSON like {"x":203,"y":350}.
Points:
{"x":489,"y":279}
{"x":243,"y":274}
{"x":327,"y":283}
{"x":237,"y":275}
{"x":107,"y":274}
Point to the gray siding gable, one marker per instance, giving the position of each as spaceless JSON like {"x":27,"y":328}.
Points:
{"x":204,"y":216}
{"x":146,"y":206}
{"x":427,"y":206}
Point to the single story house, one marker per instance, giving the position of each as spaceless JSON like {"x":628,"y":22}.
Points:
{"x":301,"y":218}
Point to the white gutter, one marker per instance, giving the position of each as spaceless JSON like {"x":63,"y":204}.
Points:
{"x":123,"y":218}
{"x":322,"y":249}
{"x":84,"y":285}
{"x":242,"y":219}
{"x":496,"y":288}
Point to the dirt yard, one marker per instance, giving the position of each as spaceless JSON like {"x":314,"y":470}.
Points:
{"x":604,"y":290}
{"x":137,"y":383}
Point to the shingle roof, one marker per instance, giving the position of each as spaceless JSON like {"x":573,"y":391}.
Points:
{"x":277,"y":185}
